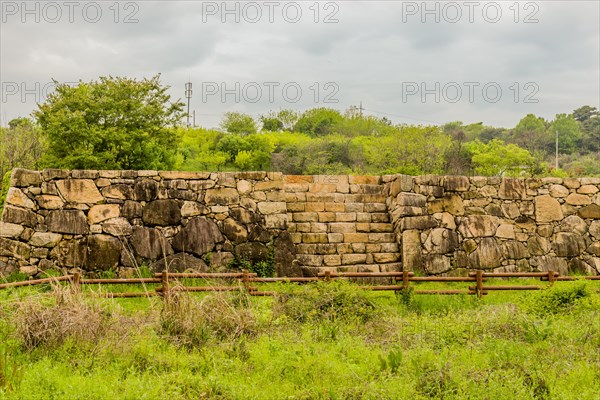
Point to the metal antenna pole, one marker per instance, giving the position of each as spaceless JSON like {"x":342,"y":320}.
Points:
{"x":188,"y":95}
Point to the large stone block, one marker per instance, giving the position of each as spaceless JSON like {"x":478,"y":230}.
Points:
{"x":487,"y":255}
{"x":19,"y":216}
{"x":252,"y":251}
{"x":235,"y":231}
{"x":223,"y":196}
{"x":419,"y":222}
{"x":576,"y":199}
{"x":567,"y":244}
{"x":268,"y":208}
{"x":441,"y":241}
{"x":23,"y":177}
{"x":14,"y":248}
{"x":45,"y":239}
{"x":16,"y":197}
{"x":49,"y":202}
{"x":117,"y":227}
{"x":199,"y":237}
{"x":411,"y":199}
{"x":150,"y":243}
{"x":9,"y":230}
{"x":590,"y":212}
{"x":79,"y":191}
{"x":456,"y":183}
{"x":145,"y":190}
{"x":179,"y":262}
{"x":162,"y":213}
{"x":478,"y":226}
{"x":72,"y":222}
{"x":103,"y":253}
{"x":451,"y":203}
{"x":412,"y":252}
{"x":102,"y":212}
{"x":547,"y":209}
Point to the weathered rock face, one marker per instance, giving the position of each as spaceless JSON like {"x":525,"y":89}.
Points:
{"x":307,"y":224}
{"x":547,"y":209}
{"x":180,"y":262}
{"x":199,"y":237}
{"x":150,"y":243}
{"x":67,"y":221}
{"x":162,"y":212}
{"x":103,"y":253}
{"x":79,"y":191}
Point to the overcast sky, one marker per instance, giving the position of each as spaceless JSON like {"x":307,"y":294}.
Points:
{"x":419,"y":64}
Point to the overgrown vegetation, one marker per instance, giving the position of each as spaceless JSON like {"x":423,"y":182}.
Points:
{"x":328,"y":340}
{"x":122,"y":123}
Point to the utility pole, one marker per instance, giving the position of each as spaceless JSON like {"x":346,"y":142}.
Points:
{"x":360,"y":109}
{"x":188,"y":95}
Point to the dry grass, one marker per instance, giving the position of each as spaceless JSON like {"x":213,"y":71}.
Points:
{"x":189,"y":321}
{"x":64,"y":315}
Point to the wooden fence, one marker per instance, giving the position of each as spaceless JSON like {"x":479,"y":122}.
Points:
{"x":248,"y":282}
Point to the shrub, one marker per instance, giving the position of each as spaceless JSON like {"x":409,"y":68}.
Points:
{"x":558,"y":299}
{"x":325,"y":300}
{"x":190,"y":322}
{"x":70,"y":317}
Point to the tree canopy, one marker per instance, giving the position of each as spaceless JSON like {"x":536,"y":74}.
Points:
{"x":110,"y":123}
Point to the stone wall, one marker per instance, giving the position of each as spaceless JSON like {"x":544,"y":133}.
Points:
{"x":455,"y":222}
{"x":100,"y":220}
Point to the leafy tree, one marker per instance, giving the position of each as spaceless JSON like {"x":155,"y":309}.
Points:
{"x":235,"y":122}
{"x":498,"y":159}
{"x":318,"y":121}
{"x":584,"y":113}
{"x":531,"y":133}
{"x":111,"y":123}
{"x":21,"y":145}
{"x":589,"y":120}
{"x":567,"y":129}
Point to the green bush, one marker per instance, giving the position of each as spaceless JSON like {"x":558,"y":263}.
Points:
{"x":336,"y":300}
{"x":558,"y":299}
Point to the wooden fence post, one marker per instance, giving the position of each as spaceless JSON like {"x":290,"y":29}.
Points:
{"x":479,"y":287}
{"x":76,"y":281}
{"x":245,"y":280}
{"x":551,"y":277}
{"x":164,"y":278}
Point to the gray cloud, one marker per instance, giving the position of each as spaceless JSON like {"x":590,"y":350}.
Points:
{"x":370,"y":55}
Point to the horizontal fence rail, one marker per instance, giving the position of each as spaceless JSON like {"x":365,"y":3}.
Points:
{"x":247,"y":282}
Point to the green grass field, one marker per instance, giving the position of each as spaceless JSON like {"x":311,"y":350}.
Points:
{"x":319,"y":341}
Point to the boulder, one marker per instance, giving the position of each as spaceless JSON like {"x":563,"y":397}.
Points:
{"x":412,"y":257}
{"x":9,"y":230}
{"x":478,"y":226}
{"x":103,"y":253}
{"x":436,"y":264}
{"x":150,"y":243}
{"x":547,"y":209}
{"x":19,"y":216}
{"x":102,"y":212}
{"x":515,"y":250}
{"x":573,"y":224}
{"x":79,"y":191}
{"x":576,"y":199}
{"x":118,"y":192}
{"x":72,"y":222}
{"x":487,"y":255}
{"x":23,"y":177}
{"x":285,"y":254}
{"x":131,"y":209}
{"x":45,"y":239}
{"x":162,"y":213}
{"x":145,"y":190}
{"x":199,"y":237}
{"x":568,"y":244}
{"x":441,"y":241}
{"x":558,"y":191}
{"x":179,"y":262}
{"x":538,"y":246}
{"x":70,"y":253}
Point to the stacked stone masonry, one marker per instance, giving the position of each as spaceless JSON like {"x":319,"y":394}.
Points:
{"x":101,"y":220}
